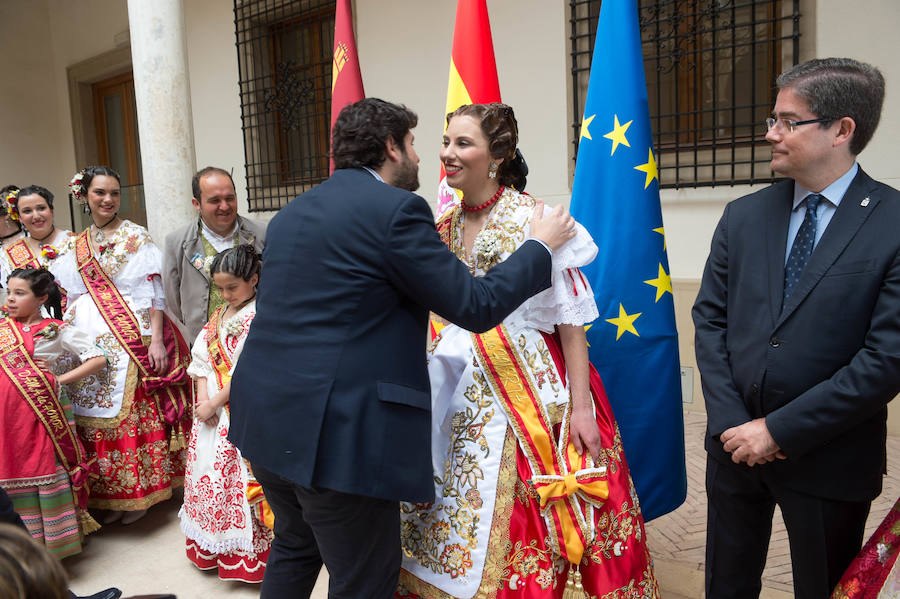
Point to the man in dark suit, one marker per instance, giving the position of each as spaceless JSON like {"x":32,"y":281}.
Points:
{"x":798,"y":340}
{"x":330,"y":401}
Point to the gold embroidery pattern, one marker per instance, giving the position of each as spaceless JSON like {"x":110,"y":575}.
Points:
{"x":508,"y":220}
{"x":425,"y":537}
{"x":120,"y":248}
{"x":96,"y":390}
{"x":543,"y":372}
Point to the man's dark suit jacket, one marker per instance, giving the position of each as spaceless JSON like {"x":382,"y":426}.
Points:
{"x":821,"y":369}
{"x":331,"y":389}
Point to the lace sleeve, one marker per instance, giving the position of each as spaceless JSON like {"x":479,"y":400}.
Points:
{"x":199,"y":366}
{"x":140,"y":279}
{"x":570,"y":299}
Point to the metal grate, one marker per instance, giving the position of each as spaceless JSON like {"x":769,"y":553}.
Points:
{"x":710,"y":67}
{"x":284,"y":64}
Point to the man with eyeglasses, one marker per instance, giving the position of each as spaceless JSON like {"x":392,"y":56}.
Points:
{"x":798,"y":340}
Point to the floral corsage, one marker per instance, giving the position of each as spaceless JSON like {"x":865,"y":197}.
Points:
{"x":51,"y":331}
{"x":49,"y":252}
{"x":488,"y":244}
{"x":233,"y":327}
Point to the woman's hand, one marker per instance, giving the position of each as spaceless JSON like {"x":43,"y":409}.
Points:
{"x":159,"y":359}
{"x":206,"y":413}
{"x":42,"y":364}
{"x":584,"y":433}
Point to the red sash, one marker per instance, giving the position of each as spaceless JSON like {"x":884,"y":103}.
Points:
{"x":39,"y":391}
{"x":21,"y":256}
{"x":171,"y":391}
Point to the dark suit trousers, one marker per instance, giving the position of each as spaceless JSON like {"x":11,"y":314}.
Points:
{"x":825,"y":535}
{"x":357,"y":538}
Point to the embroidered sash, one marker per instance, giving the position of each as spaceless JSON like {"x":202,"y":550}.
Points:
{"x":569,"y":486}
{"x":39,"y":391}
{"x":171,"y":391}
{"x":218,"y":357}
{"x":21,"y":256}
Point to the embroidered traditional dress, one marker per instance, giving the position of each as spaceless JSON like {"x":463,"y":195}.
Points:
{"x":875,"y":573}
{"x":499,"y":431}
{"x":19,"y":254}
{"x":35,"y":463}
{"x":127,"y":417}
{"x":225,"y":517}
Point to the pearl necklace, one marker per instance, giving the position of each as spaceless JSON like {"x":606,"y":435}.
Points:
{"x":479,"y":207}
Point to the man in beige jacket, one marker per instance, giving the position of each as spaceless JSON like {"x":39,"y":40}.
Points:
{"x":190,"y":295}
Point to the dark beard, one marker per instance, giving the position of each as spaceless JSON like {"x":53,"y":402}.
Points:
{"x":407,"y":177}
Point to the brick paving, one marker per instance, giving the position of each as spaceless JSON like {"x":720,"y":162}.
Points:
{"x":678,"y":540}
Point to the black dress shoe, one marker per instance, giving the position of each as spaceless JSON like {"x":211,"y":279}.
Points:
{"x":110,"y":593}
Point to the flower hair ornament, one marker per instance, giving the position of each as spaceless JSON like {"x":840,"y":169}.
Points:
{"x":11,"y":199}
{"x":76,"y":188}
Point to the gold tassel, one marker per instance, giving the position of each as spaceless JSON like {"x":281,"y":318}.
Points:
{"x":88,"y":524}
{"x":177,"y":441}
{"x":573,"y":589}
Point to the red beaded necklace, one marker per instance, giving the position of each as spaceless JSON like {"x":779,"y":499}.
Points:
{"x":493,"y":199}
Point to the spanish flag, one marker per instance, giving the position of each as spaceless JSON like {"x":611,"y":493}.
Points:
{"x":473,"y":72}
{"x":346,"y":80}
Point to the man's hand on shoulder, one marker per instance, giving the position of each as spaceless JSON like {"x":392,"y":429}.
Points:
{"x":555,"y":228}
{"x":751,"y":443}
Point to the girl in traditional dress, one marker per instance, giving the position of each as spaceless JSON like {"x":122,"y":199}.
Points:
{"x":32,"y":206}
{"x":225,"y":518}
{"x":533,"y":493}
{"x":43,"y":465}
{"x":134,"y":416}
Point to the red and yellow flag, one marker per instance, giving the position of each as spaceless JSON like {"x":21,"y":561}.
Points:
{"x":346,"y":80}
{"x":473,"y":71}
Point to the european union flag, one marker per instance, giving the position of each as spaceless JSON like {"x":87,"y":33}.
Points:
{"x":634,"y":344}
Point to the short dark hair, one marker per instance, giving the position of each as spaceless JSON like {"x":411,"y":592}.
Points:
{"x":839,"y":87}
{"x":203,"y":172}
{"x":500,"y":128}
{"x":27,"y":569}
{"x":36,"y":190}
{"x":360,"y":133}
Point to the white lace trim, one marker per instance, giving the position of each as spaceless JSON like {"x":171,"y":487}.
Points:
{"x":199,"y":537}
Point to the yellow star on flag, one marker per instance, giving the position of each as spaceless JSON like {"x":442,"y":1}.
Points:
{"x":662,"y":231}
{"x":617,"y":135}
{"x":648,"y":167}
{"x":585,"y":123}
{"x":624,"y":322}
{"x":662,"y":282}
{"x":587,"y":328}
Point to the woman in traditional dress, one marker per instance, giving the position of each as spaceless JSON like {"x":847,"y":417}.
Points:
{"x":43,"y":465}
{"x":10,"y":229}
{"x":32,"y":206}
{"x":133,"y":416}
{"x":533,"y":493}
{"x":227,"y":522}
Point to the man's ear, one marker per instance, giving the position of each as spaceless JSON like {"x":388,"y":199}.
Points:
{"x":392,"y":151}
{"x":196,"y":204}
{"x":845,"y":133}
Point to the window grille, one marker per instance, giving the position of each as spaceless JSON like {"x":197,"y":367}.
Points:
{"x":284,"y":65}
{"x":710,"y":67}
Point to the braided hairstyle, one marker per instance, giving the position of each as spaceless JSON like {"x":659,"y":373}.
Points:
{"x":500,"y":128}
{"x":242,"y":261}
{"x":41,"y":282}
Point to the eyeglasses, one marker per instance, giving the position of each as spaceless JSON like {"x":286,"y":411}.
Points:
{"x":789,"y":125}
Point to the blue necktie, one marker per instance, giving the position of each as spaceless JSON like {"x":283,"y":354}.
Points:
{"x":803,"y":246}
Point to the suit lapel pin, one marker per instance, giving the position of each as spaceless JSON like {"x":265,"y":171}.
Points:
{"x":864,"y":203}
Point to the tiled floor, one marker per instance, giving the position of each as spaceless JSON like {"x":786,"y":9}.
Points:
{"x":148,"y":556}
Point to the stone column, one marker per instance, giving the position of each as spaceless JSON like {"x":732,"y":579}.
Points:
{"x":163,"y":98}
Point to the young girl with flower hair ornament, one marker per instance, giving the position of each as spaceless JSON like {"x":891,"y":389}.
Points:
{"x":133,"y":417}
{"x":43,"y":465}
{"x":225,"y":517}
